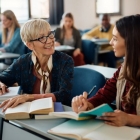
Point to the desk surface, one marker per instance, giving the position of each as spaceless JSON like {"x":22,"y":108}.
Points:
{"x":64,"y":48}
{"x":8,"y":55}
{"x":40,"y":126}
{"x":102,"y":41}
{"x":106,"y":71}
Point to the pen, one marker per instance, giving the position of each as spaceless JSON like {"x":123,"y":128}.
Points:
{"x":91,"y":90}
{"x":88,"y":94}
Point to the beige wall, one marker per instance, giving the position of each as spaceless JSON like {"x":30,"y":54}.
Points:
{"x":84,"y":11}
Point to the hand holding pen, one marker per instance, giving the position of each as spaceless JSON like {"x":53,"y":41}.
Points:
{"x":91,"y":90}
{"x":80,"y":103}
{"x":3,"y":88}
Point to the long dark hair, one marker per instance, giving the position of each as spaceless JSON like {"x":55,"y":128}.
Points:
{"x":129,"y":28}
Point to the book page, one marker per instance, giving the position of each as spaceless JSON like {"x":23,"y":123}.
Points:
{"x":20,"y":108}
{"x":76,"y":129}
{"x":41,"y":104}
{"x":67,"y":114}
{"x":108,"y":132}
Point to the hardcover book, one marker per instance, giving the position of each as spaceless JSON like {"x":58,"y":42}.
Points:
{"x":24,"y":110}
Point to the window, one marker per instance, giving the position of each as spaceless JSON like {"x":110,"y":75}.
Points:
{"x":39,"y":8}
{"x":25,"y":9}
{"x":19,"y":7}
{"x":111,"y":7}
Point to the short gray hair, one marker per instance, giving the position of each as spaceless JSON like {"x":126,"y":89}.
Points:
{"x":32,"y":28}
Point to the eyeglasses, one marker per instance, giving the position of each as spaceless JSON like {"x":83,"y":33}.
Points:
{"x":44,"y":39}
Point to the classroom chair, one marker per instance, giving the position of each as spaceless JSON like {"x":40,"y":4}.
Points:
{"x":88,"y":49}
{"x":84,"y":80}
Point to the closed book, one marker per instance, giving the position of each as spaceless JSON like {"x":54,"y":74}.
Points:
{"x":58,"y":107}
{"x":96,"y":112}
{"x":94,"y":130}
{"x":24,"y":110}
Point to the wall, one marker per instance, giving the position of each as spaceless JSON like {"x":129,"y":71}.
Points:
{"x":84,"y":11}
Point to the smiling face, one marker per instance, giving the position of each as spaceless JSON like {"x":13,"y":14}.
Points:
{"x":40,"y":48}
{"x":118,"y":44}
{"x":34,"y":34}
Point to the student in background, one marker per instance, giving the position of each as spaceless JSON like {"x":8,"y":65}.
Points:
{"x":67,"y":34}
{"x":10,"y":40}
{"x":103,"y":31}
{"x":124,"y":86}
{"x":42,"y":73}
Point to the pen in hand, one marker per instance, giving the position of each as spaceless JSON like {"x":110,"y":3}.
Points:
{"x":91,"y":90}
{"x":87,"y":95}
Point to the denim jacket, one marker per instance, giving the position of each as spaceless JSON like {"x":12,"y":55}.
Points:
{"x":15,"y":45}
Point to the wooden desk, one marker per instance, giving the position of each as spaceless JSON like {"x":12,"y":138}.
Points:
{"x":8,"y":55}
{"x":106,"y":71}
{"x":30,"y":129}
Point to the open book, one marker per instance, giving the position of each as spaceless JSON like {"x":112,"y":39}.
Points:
{"x":13,"y":91}
{"x":58,"y":107}
{"x":23,"y":111}
{"x":98,"y":111}
{"x":94,"y":130}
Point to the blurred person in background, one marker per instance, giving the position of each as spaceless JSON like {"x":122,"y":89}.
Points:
{"x":67,"y":34}
{"x":103,"y":31}
{"x":10,"y":40}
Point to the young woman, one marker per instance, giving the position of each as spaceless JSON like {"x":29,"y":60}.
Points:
{"x":67,"y":34}
{"x":10,"y":40}
{"x":124,"y":86}
{"x":42,"y":73}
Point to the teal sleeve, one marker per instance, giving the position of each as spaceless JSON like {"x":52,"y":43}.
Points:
{"x":15,"y":41}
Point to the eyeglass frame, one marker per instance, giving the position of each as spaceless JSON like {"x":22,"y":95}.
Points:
{"x":51,"y":32}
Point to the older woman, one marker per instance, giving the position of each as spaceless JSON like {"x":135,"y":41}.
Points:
{"x":42,"y":73}
{"x":10,"y":40}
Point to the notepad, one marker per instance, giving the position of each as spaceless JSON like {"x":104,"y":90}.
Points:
{"x":96,"y":112}
{"x":94,"y":130}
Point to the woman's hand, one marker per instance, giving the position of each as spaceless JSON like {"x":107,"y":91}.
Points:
{"x":76,"y":52}
{"x":80,"y":103}
{"x":13,"y":102}
{"x":116,"y":118}
{"x":3,"y":88}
